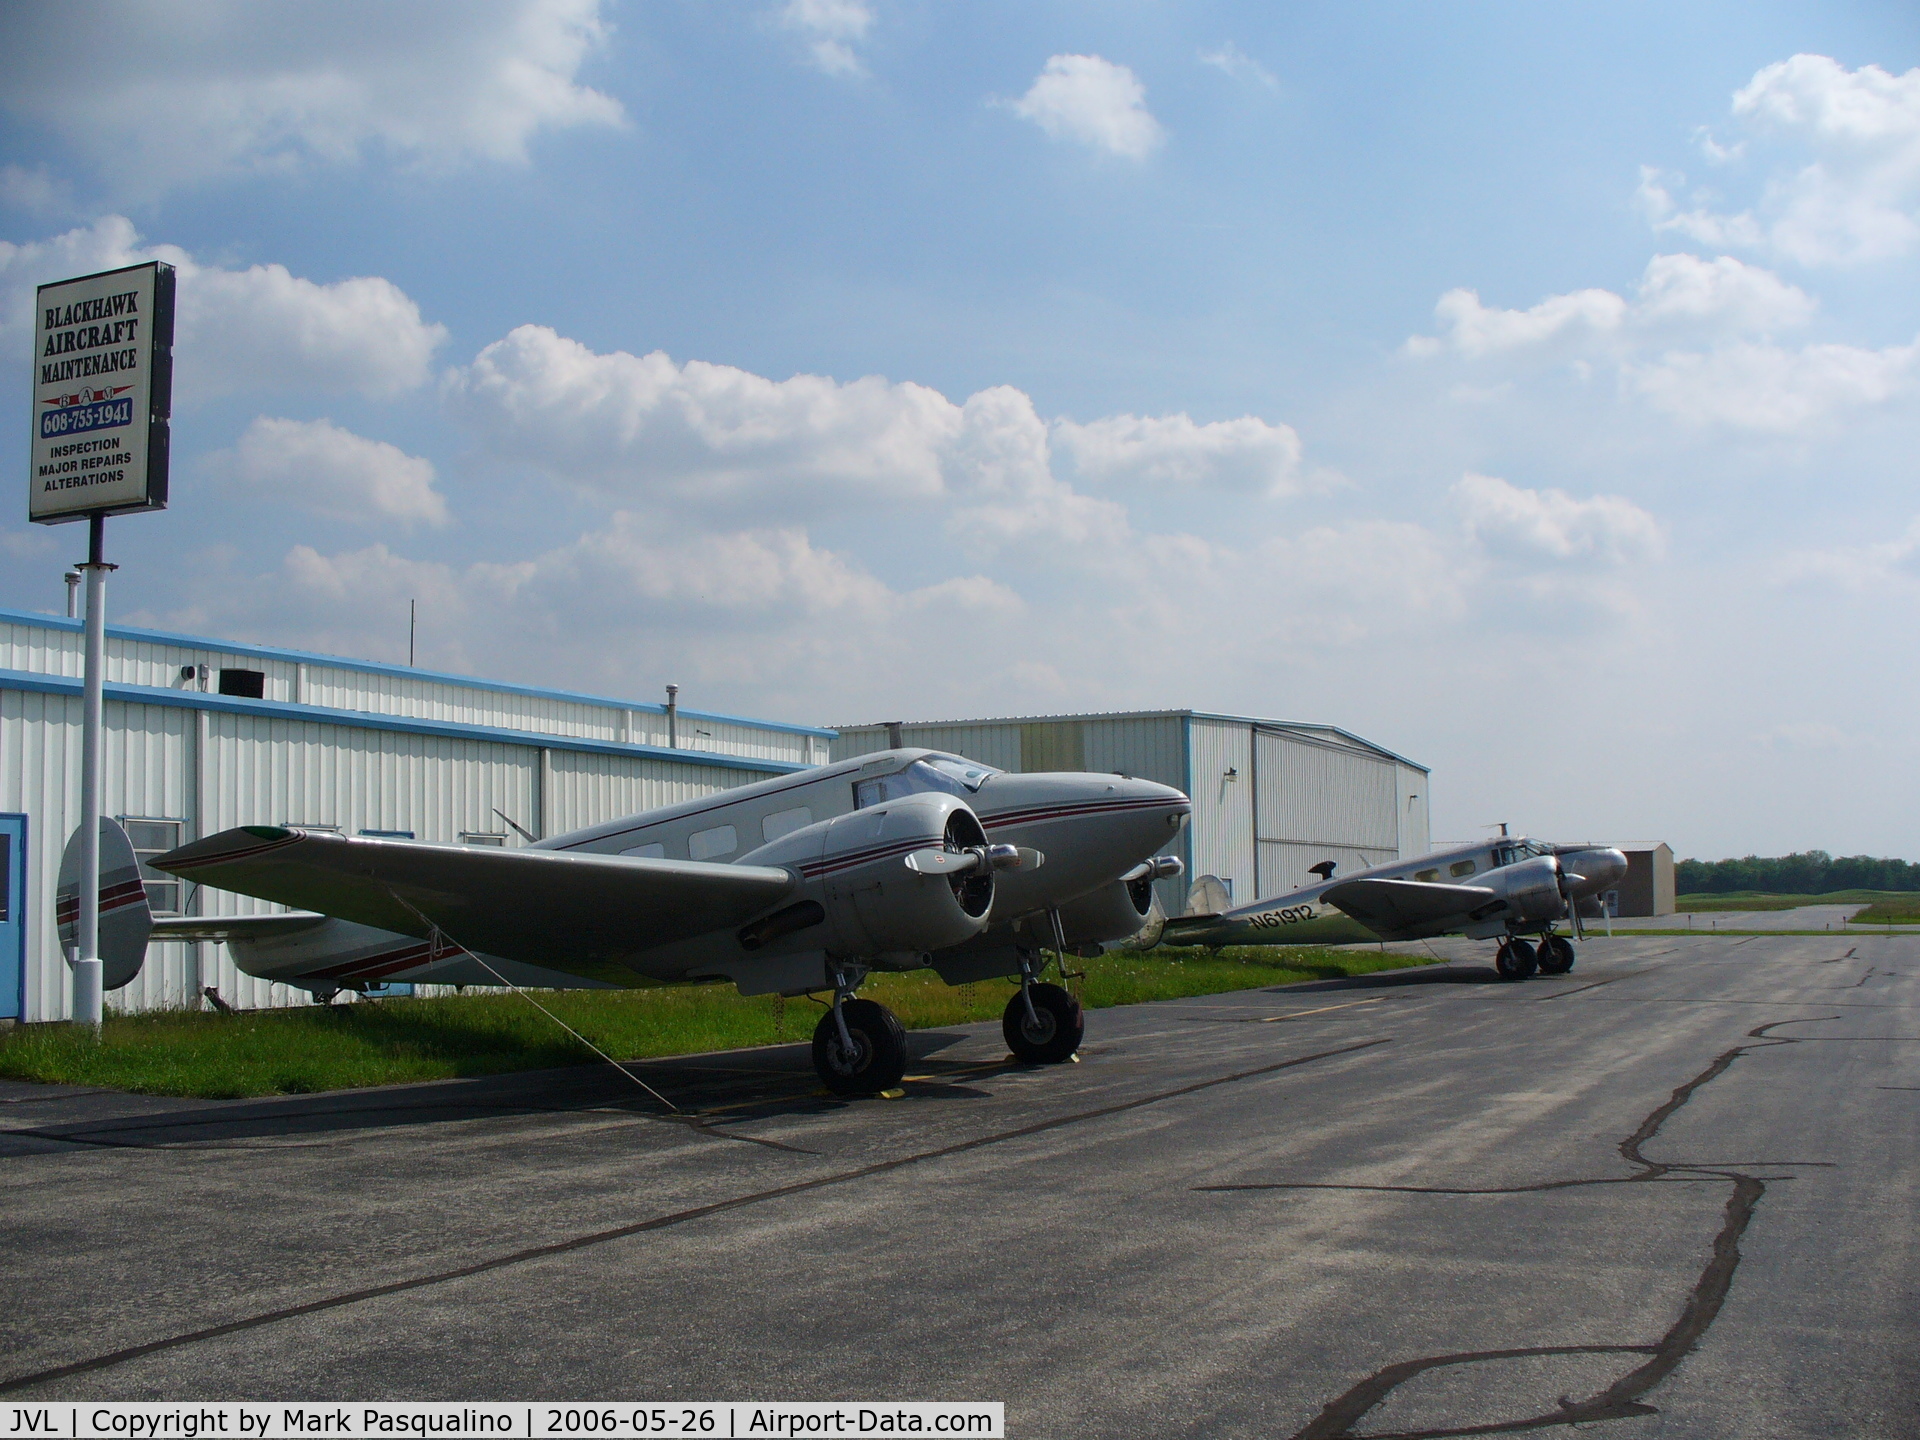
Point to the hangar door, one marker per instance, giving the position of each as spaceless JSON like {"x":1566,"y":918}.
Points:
{"x":1316,"y":801}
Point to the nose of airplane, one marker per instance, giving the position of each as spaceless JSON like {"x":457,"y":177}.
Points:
{"x":1600,"y":868}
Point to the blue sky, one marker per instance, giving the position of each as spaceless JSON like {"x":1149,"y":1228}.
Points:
{"x":1530,"y":389}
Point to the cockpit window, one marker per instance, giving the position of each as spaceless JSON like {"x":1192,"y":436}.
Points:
{"x":970,"y":775}
{"x":940,"y":773}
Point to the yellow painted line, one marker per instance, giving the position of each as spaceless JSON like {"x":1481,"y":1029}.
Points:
{"x":1296,"y":1014}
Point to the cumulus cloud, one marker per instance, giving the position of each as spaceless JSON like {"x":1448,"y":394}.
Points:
{"x":1771,"y":389}
{"x":1883,"y":565}
{"x":258,"y":328}
{"x":1234,"y":61}
{"x":1247,"y":455}
{"x":1094,"y":101}
{"x":1855,"y":198}
{"x":315,"y":465}
{"x":717,"y":440}
{"x":1694,"y":341}
{"x":1554,"y":525}
{"x":1676,"y":293}
{"x":158,"y":93}
{"x":831,"y":30}
{"x":763,"y":608}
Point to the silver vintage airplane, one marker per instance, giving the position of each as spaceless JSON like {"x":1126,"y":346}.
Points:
{"x":1505,"y":889}
{"x":895,"y":861}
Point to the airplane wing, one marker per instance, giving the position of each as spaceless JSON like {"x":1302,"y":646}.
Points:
{"x":569,"y":912}
{"x":233,"y":927}
{"x":1393,"y":907}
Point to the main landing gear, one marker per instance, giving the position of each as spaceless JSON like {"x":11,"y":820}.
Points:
{"x":1517,"y":959}
{"x":1043,"y":1023}
{"x":859,"y":1046}
{"x":1555,"y":955}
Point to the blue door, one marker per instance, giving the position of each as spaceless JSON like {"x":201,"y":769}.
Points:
{"x":13,"y":913}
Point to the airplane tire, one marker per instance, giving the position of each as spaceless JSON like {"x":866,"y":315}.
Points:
{"x":1062,"y":1026}
{"x":880,"y":1050}
{"x":1556,"y":956}
{"x":1515,"y":960}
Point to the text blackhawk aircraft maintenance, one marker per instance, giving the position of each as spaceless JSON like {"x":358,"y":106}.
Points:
{"x":894,"y":861}
{"x":1505,"y":889}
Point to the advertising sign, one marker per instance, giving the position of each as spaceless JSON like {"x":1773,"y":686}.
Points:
{"x":102,"y":392}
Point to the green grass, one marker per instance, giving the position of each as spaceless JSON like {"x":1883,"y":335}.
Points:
{"x":1756,"y":900}
{"x":309,"y":1049}
{"x":1903,"y":911}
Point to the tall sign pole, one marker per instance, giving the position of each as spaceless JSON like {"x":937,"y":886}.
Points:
{"x":102,"y":398}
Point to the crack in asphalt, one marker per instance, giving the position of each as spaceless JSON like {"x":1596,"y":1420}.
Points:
{"x":663,"y":1222}
{"x":1623,"y":1398}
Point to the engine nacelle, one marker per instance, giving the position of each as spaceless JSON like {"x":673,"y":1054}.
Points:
{"x":1115,"y":911}
{"x":861,"y":900}
{"x":1531,"y":890}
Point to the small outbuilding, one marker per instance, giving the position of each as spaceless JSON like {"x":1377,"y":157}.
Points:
{"x":1647,"y":887}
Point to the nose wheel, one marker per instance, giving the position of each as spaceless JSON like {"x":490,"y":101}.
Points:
{"x":859,"y":1048}
{"x":1515,"y":960}
{"x":1043,"y":1025}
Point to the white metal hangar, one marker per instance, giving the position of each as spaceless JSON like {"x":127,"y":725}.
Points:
{"x":202,"y":735}
{"x":1270,"y":797}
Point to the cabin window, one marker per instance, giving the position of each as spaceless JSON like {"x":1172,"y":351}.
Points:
{"x":709,"y":844}
{"x":1459,"y":868}
{"x":152,"y":838}
{"x":1429,"y":876}
{"x":785,"y":822}
{"x":655,"y":851}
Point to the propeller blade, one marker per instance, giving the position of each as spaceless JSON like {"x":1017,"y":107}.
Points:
{"x":1160,"y":867}
{"x":935,"y":861}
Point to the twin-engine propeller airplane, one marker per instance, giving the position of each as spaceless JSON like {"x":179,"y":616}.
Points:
{"x":1505,"y":889}
{"x":894,"y":861}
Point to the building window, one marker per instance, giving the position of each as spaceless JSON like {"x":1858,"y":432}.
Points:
{"x":483,"y":837}
{"x":152,"y":838}
{"x":388,"y":834}
{"x":785,"y":822}
{"x":250,"y":684}
{"x":708,"y":844}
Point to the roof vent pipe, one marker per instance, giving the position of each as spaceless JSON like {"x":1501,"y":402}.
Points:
{"x":673,"y":717}
{"x":894,"y":742}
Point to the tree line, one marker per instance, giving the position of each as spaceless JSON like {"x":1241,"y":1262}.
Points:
{"x":1813,"y":872}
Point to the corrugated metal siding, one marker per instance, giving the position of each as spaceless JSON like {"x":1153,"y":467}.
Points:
{"x":213,"y":769}
{"x":1222,"y":824}
{"x":1285,"y":865}
{"x":588,"y":789}
{"x":1412,"y":808}
{"x":56,"y":649}
{"x":1318,"y":794}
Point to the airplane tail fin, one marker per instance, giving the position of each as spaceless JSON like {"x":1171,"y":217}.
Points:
{"x":126,"y":920}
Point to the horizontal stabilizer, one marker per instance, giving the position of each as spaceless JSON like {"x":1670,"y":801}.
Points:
{"x":1399,"y":909}
{"x":235,"y":927}
{"x":570,"y":912}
